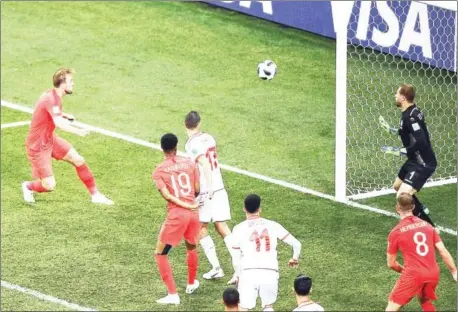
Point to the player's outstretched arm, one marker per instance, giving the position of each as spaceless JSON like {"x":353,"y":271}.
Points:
{"x":65,"y":125}
{"x":392,"y":263}
{"x":297,"y":246}
{"x":447,"y":258}
{"x":386,"y":127}
{"x":169,"y":197}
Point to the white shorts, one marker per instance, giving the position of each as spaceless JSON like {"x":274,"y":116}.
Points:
{"x":217,"y":209}
{"x":256,"y":282}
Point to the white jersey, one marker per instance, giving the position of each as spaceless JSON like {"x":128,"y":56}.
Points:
{"x":257,"y":240}
{"x":203,"y":144}
{"x":309,"y":306}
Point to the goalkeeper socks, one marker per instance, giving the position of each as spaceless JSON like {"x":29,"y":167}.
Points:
{"x":209,"y":249}
{"x":192,"y":260}
{"x":36,"y":186}
{"x":85,"y":175}
{"x":166,"y":273}
{"x":428,"y":306}
{"x":420,"y":211}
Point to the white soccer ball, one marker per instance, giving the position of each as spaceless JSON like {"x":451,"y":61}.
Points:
{"x":267,"y":70}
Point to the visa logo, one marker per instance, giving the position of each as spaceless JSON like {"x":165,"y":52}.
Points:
{"x":266,"y":5}
{"x":387,"y":36}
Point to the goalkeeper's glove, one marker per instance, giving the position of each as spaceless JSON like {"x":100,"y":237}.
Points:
{"x":394,"y":150}
{"x":386,"y":126}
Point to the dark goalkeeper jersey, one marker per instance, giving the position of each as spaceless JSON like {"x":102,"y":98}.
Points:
{"x":415,"y":137}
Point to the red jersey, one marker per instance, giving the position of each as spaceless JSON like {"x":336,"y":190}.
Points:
{"x":179,"y":175}
{"x":42,"y":126}
{"x":416,"y":239}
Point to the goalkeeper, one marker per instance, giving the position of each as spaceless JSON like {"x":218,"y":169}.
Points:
{"x":421,"y":160}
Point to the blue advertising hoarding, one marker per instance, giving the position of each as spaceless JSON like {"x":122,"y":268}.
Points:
{"x":410,"y":29}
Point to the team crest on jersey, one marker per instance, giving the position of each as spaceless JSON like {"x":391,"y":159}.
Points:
{"x":194,"y":151}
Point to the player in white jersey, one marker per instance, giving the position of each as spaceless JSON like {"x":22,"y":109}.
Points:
{"x":201,"y":147}
{"x":256,"y":260}
{"x":303,"y":288}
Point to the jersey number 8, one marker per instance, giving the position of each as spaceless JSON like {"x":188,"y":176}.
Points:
{"x":420,"y":240}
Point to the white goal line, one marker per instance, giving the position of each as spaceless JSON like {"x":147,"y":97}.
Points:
{"x":44,"y":297}
{"x":16,"y":124}
{"x":292,"y":186}
{"x":387,"y":191}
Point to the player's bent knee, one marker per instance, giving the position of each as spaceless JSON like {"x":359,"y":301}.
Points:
{"x":49,"y":183}
{"x":190,"y":246}
{"x":78,"y":160}
{"x":164,"y":251}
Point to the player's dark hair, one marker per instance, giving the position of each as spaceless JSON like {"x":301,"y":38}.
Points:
{"x":59,"y":76}
{"x":302,"y":285}
{"x":252,"y":203}
{"x":405,"y":201}
{"x":408,"y":91}
{"x":169,"y":142}
{"x":192,"y":120}
{"x":231,"y":297}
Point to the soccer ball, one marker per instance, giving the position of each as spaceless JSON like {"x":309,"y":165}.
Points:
{"x":267,"y":70}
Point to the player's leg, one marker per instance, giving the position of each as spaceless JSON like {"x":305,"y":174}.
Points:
{"x":207,"y":242}
{"x":221,"y":213}
{"x":191,"y":236}
{"x":248,"y":288}
{"x":428,"y":294}
{"x":170,"y":235}
{"x":413,"y":182}
{"x":162,"y":261}
{"x":268,"y":289}
{"x":63,"y":150}
{"x":393,"y":306}
{"x":42,"y":173}
{"x":403,"y":291}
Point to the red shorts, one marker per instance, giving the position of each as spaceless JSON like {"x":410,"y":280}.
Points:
{"x":408,"y":287}
{"x":180,"y":223}
{"x":42,"y":161}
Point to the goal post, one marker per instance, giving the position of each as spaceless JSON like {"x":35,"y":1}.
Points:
{"x":379,"y":45}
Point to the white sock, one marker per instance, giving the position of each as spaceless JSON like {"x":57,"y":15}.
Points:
{"x":228,"y":242}
{"x":210,"y":251}
{"x":268,"y":309}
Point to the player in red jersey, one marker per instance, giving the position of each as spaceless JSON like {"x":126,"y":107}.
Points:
{"x":417,"y":241}
{"x":42,"y":144}
{"x":177,"y":179}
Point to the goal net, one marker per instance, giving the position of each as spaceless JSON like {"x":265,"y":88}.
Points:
{"x":388,"y":43}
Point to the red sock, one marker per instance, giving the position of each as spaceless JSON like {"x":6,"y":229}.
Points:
{"x":36,"y":186}
{"x":85,"y":175}
{"x":166,"y":273}
{"x":192,"y":261}
{"x":428,"y":306}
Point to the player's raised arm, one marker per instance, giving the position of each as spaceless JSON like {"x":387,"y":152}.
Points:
{"x":62,"y":122}
{"x":447,"y":258}
{"x":386,"y":127}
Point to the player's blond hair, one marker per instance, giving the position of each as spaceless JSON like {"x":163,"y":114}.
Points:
{"x":408,"y":91}
{"x":405,"y":202}
{"x":59,"y":76}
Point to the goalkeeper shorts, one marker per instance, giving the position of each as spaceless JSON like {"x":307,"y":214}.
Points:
{"x":415,"y":174}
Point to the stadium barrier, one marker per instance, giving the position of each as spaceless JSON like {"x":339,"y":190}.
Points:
{"x":409,"y":29}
